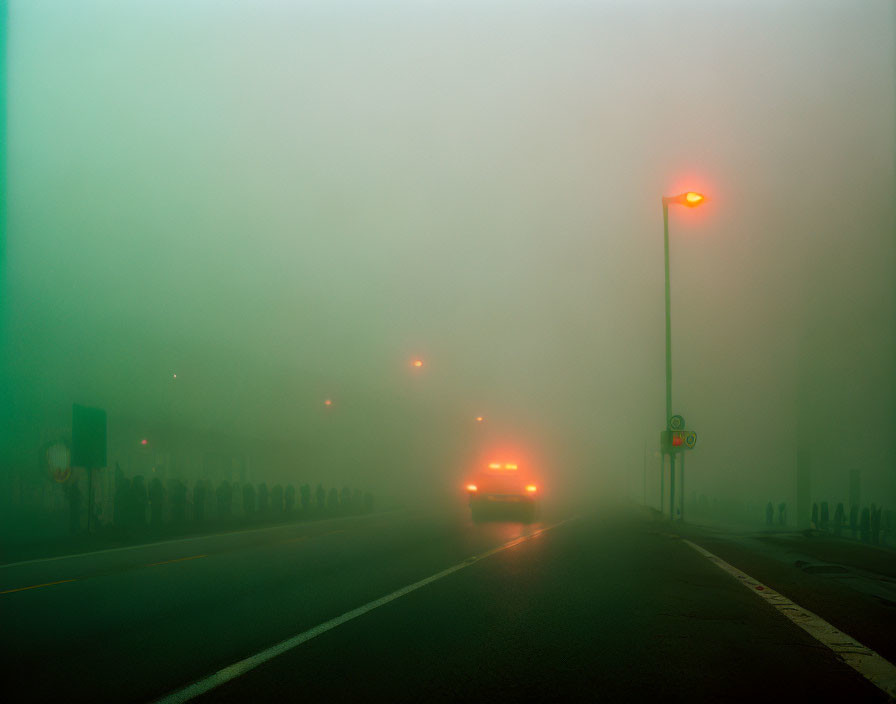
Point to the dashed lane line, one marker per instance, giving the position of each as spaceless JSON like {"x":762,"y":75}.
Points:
{"x":177,"y":559}
{"x":151,"y":564}
{"x":142,"y":546}
{"x":37,"y":586}
{"x":240,"y":668}
{"x":302,"y":538}
{"x":865,"y":661}
{"x":189,"y":539}
{"x":102,"y":574}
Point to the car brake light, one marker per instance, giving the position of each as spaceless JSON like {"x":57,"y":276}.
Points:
{"x":509,"y":466}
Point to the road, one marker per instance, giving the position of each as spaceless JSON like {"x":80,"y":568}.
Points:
{"x":605,"y":606}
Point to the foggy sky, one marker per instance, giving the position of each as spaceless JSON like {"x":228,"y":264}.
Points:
{"x":287,"y":202}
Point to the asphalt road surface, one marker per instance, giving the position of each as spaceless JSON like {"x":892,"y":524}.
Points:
{"x":611,"y":607}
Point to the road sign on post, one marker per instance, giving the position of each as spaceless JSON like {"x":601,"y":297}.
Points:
{"x":58,"y":459}
{"x":674,"y":441}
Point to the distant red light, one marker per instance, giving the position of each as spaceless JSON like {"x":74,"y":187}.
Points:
{"x":677,"y":440}
{"x":144,"y":441}
{"x":328,"y":402}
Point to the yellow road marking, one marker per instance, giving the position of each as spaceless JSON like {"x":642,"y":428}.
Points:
{"x":75,"y":579}
{"x":179,"y":559}
{"x":38,"y":586}
{"x":309,"y":537}
{"x":156,"y":564}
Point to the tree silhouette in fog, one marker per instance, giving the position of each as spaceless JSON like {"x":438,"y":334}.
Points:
{"x":249,"y":500}
{"x":277,"y":500}
{"x":305,"y":491}
{"x":263,"y":499}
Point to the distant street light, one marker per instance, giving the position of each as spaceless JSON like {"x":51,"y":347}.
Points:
{"x":689,"y":199}
{"x":328,"y":402}
{"x":417,"y":363}
{"x":479,"y":419}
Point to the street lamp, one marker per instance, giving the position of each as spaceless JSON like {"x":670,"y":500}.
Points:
{"x":690,"y":199}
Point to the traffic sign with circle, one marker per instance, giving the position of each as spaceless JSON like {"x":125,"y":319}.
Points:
{"x":59,"y":462}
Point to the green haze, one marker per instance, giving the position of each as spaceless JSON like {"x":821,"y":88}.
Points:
{"x":282,"y":203}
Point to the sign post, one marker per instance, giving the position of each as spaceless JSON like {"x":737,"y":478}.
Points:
{"x":681,"y":496}
{"x":675,"y":441}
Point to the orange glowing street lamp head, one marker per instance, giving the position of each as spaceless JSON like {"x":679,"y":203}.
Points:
{"x":417,"y":363}
{"x":691,"y":199}
{"x":328,"y":402}
{"x":479,"y":419}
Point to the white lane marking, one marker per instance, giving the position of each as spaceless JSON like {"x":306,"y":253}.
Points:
{"x":243,"y":666}
{"x":865,"y":661}
{"x":205,"y":536}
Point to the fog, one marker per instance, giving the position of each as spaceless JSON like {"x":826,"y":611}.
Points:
{"x":283,"y":203}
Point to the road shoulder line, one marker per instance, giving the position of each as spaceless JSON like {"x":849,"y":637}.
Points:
{"x":865,"y":661}
{"x":237,"y":669}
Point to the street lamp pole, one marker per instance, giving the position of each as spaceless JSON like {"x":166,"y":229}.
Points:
{"x":668,"y":314}
{"x":668,"y":358}
{"x":691,"y":200}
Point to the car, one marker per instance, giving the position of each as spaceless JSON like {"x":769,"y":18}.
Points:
{"x":501,"y":490}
